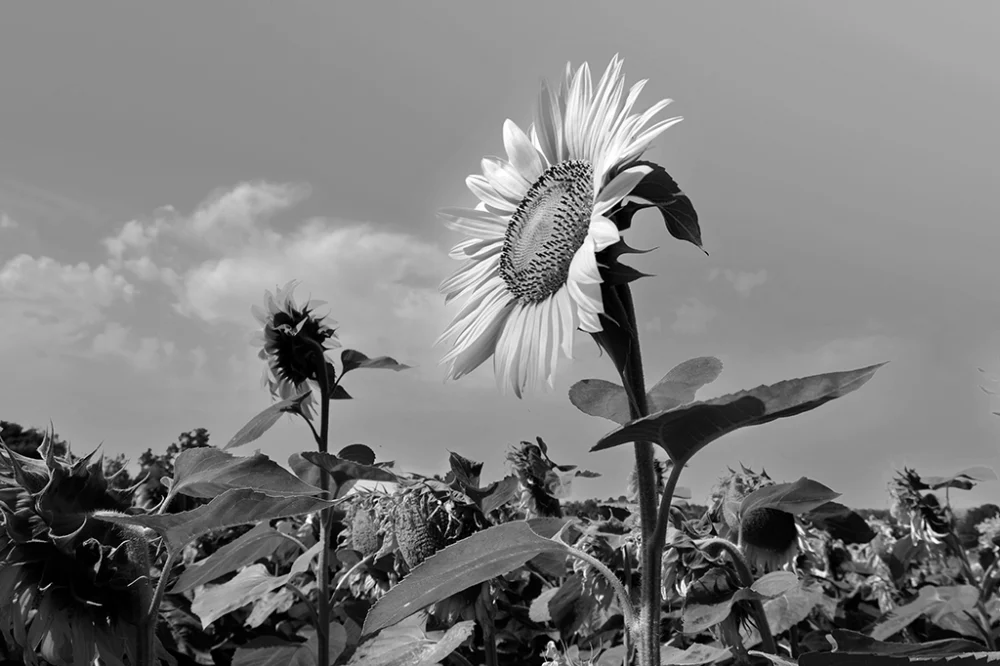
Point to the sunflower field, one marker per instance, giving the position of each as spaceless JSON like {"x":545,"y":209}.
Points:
{"x":334,"y":557}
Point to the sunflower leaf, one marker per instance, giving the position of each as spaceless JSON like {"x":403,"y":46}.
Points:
{"x":359,"y":453}
{"x":265,"y":420}
{"x":795,"y":498}
{"x":480,"y":557}
{"x":608,"y":400}
{"x":964,"y":480}
{"x":685,"y":430}
{"x":260,"y":542}
{"x":660,"y":191}
{"x":207,"y":472}
{"x":341,"y":471}
{"x":352,"y":359}
{"x":843,"y":523}
{"x":238,"y":506}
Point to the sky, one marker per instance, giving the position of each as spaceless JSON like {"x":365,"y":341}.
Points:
{"x":162,"y":165}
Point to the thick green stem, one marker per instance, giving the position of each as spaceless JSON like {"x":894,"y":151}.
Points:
{"x":484,"y":616}
{"x":323,"y":442}
{"x":746,"y":580}
{"x":648,"y":638}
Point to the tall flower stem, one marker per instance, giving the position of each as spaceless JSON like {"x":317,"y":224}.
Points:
{"x":629,"y":362}
{"x":322,"y":441}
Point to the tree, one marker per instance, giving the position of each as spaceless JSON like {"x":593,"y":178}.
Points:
{"x":27,"y":440}
{"x":966,"y":528}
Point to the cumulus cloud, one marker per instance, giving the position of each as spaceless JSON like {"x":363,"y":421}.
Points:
{"x":381,"y":286}
{"x":693,"y":317}
{"x":743,"y":281}
{"x":146,"y":353}
{"x":50,"y":304}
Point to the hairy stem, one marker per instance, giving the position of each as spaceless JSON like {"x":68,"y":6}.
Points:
{"x":648,"y":643}
{"x":323,"y":442}
{"x":746,"y":580}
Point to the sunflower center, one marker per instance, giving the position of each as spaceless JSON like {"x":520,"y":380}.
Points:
{"x":546,"y":230}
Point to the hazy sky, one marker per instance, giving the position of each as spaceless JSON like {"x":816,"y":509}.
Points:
{"x":161,"y":165}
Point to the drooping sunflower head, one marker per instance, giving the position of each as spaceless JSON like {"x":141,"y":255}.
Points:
{"x":67,"y":580}
{"x":531,"y":275}
{"x":921,"y":511}
{"x":288,"y":341}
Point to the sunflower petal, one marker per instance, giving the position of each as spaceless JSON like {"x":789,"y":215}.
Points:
{"x":521,"y":152}
{"x":619,"y":187}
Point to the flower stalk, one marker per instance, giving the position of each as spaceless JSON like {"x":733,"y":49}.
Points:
{"x":323,"y":442}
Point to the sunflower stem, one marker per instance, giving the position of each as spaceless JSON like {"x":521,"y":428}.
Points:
{"x":746,"y":580}
{"x":153,"y":611}
{"x":323,"y":605}
{"x":622,"y":310}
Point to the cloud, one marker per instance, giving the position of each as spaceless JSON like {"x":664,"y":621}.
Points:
{"x":48,"y":304}
{"x":742,"y":281}
{"x":381,"y":286}
{"x":147,"y":353}
{"x":7,"y":222}
{"x":693,"y":317}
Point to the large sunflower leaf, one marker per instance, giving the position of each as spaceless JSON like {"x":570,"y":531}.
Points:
{"x":264,"y":421}
{"x":213,"y":601}
{"x":270,"y":651}
{"x":843,"y":523}
{"x":794,"y":498}
{"x":258,"y":543}
{"x":608,"y":400}
{"x":480,"y":557}
{"x":207,"y":472}
{"x":408,"y":645}
{"x":685,"y":430}
{"x":852,"y":641}
{"x":234,"y":507}
{"x":964,"y":480}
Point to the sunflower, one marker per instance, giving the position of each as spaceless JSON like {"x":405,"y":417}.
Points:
{"x":531,"y":276}
{"x":287,"y":343}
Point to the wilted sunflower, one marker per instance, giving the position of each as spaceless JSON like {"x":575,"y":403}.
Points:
{"x":68,"y":587}
{"x":531,"y":276}
{"x":288,"y":341}
{"x":928,"y":520}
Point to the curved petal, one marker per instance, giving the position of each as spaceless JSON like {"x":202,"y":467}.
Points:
{"x":521,"y":152}
{"x":548,"y":124}
{"x":583,"y":267}
{"x":482,"y":188}
{"x":479,"y":224}
{"x":505,"y":179}
{"x":604,"y":232}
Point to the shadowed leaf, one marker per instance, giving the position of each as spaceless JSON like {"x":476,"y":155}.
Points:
{"x":359,"y":453}
{"x":852,"y":641}
{"x":263,"y":422}
{"x":352,"y":359}
{"x":685,"y":430}
{"x":480,"y":557}
{"x":231,"y":508}
{"x":794,"y":498}
{"x":408,"y":645}
{"x":661,"y":192}
{"x":207,"y":472}
{"x":271,"y":651}
{"x":843,"y":523}
{"x":342,"y":471}
{"x":964,"y":480}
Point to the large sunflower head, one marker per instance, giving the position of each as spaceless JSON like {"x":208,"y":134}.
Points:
{"x":531,"y":275}
{"x":288,"y":342}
